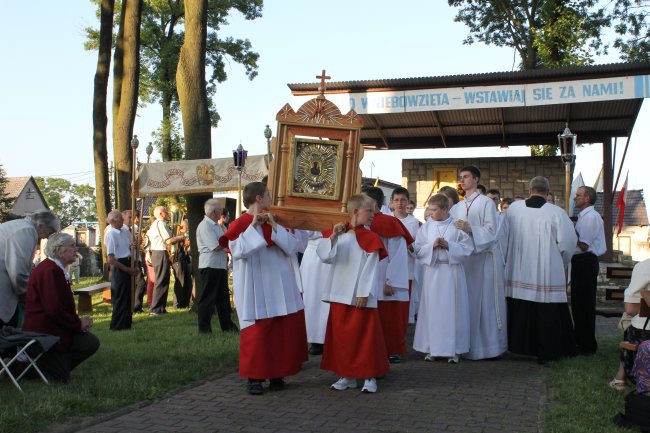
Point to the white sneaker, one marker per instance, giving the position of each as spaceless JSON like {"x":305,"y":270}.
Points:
{"x":369,"y":386}
{"x":453,"y":360}
{"x":429,"y":358}
{"x":344,"y":383}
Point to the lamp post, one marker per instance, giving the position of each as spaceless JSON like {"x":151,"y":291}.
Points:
{"x":267,"y":134}
{"x":239,"y":158}
{"x":134,"y":247}
{"x":567,"y":141}
{"x":149,"y":150}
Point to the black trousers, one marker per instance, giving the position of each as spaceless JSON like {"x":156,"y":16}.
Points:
{"x":182,"y":269}
{"x":214,"y":292}
{"x":121,"y":298}
{"x":584,"y":272}
{"x":57,"y":363}
{"x":140,"y":288}
{"x":160,"y":262}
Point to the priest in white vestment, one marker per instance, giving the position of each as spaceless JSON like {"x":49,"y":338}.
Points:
{"x":477,"y":216}
{"x":538,"y":242}
{"x":442,"y":329}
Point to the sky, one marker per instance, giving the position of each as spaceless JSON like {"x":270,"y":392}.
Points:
{"x":46,"y":82}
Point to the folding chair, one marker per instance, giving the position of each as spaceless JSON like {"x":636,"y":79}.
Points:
{"x":28,"y":348}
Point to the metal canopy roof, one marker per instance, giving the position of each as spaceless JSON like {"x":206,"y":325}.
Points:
{"x":501,"y":126}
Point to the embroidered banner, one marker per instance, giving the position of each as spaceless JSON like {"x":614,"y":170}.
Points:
{"x":197,"y":176}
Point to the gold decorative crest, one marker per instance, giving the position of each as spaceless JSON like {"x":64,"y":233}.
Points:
{"x":316,"y":168}
{"x":206,"y":174}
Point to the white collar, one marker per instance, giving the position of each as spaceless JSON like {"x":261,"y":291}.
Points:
{"x":60,"y":265}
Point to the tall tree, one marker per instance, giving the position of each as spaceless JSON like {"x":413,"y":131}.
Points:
{"x":633,"y":29}
{"x":100,"y":120}
{"x":126,"y":78}
{"x":4,"y":201}
{"x":567,"y":32}
{"x":192,"y":95}
{"x":162,"y":37}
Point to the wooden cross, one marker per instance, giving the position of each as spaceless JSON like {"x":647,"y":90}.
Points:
{"x":322,"y":78}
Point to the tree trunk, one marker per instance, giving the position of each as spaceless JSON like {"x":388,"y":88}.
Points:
{"x":125,"y":97}
{"x":100,"y":121}
{"x":166,"y":136}
{"x":192,"y":95}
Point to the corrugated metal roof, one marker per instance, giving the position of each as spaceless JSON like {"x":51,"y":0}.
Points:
{"x":512,"y":126}
{"x":483,"y":79}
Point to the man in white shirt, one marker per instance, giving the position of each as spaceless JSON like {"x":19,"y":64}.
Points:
{"x":118,"y":250}
{"x":18,"y":240}
{"x":213,"y":265}
{"x":584,"y":269}
{"x":539,"y":323}
{"x":477,"y":216}
{"x":160,"y":236}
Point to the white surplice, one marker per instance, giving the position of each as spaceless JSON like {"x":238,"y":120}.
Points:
{"x":315,"y":275}
{"x":415,"y":270}
{"x":393,"y":270}
{"x":537,"y":243}
{"x":484,"y":274}
{"x":355,"y":274}
{"x":266,"y":280}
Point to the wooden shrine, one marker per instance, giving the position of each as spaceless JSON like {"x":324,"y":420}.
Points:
{"x":316,"y":166}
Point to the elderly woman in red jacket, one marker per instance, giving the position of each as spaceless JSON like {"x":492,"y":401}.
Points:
{"x":50,"y":309}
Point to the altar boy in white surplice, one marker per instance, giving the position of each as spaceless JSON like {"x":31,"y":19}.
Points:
{"x":442,"y":329}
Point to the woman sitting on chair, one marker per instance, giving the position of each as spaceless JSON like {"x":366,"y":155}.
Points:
{"x":50,"y":309}
{"x":639,"y":330}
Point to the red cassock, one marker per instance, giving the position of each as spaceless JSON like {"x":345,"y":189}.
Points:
{"x":354,"y":343}
{"x":394,"y":315}
{"x":272,"y":347}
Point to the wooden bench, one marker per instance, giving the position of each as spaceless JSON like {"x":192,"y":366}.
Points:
{"x":615,"y":294}
{"x":85,"y":302}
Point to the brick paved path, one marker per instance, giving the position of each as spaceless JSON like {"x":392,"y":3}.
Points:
{"x":507,"y":395}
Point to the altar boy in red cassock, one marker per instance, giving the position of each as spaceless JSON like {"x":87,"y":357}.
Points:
{"x":273,"y":340}
{"x":354,"y":343}
{"x":393,"y":278}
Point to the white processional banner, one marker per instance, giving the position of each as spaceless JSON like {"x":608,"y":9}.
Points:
{"x":197,"y":176}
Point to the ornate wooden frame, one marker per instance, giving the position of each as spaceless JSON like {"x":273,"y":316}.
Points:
{"x":317,"y":120}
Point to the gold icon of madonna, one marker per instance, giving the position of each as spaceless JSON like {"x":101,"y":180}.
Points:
{"x":316,"y":168}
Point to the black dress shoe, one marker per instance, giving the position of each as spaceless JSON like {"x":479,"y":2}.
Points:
{"x":315,"y":349}
{"x":255,"y":387}
{"x":277,"y":384}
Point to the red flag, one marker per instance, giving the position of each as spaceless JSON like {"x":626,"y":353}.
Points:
{"x":620,"y":204}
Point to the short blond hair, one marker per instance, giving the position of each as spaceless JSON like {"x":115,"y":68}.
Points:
{"x":359,"y":200}
{"x":440,"y":200}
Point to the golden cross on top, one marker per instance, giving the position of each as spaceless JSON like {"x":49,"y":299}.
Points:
{"x":321,"y":87}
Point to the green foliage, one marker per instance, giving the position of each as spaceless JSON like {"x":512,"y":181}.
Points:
{"x":161,"y":38}
{"x":633,"y":29}
{"x":131,"y":366}
{"x":4,"y":201}
{"x":568,"y":32}
{"x":71,"y":202}
{"x":543,"y":150}
{"x":170,"y":128}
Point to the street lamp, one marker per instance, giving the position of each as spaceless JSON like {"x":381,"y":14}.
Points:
{"x":134,"y":247}
{"x":239,"y":158}
{"x":567,"y":141}
{"x":149,"y":150}
{"x":267,"y":134}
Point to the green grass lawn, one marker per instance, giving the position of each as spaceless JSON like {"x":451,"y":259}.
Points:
{"x":157,"y":355}
{"x":163,"y":353}
{"x":579,"y":398}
